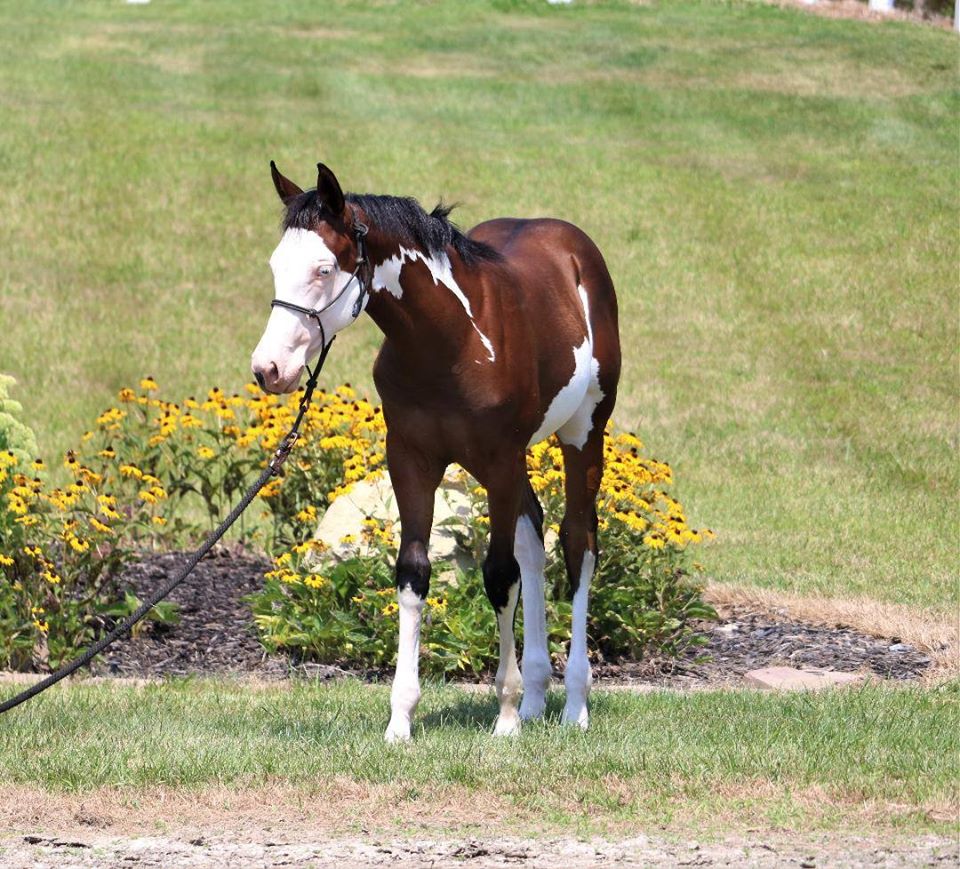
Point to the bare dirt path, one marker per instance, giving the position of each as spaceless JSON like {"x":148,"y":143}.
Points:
{"x":346,"y":824}
{"x":549,"y":853}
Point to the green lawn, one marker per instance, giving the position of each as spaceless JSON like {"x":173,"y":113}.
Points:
{"x":717,"y":762}
{"x":776,"y":195}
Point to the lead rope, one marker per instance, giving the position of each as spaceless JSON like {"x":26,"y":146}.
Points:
{"x":271,"y":470}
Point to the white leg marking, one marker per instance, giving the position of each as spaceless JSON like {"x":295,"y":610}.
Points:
{"x":578,"y":677}
{"x":509,"y":681}
{"x":405,"y":693}
{"x":528,"y":550}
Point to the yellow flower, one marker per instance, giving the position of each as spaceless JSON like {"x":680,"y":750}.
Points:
{"x":41,"y":626}
{"x":313,"y":580}
{"x":159,"y":520}
{"x":37,"y":465}
{"x":390,"y":608}
{"x":16,"y":504}
{"x":100,"y":526}
{"x":131,"y":471}
{"x":5,"y":560}
{"x":654,"y":541}
{"x":126,"y":395}
{"x":307,"y":514}
{"x":148,"y":384}
{"x":112,"y":415}
{"x":89,"y":476}
{"x":205,"y":452}
{"x":272,"y":488}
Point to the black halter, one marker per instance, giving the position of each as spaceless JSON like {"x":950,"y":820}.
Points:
{"x":361,"y":231}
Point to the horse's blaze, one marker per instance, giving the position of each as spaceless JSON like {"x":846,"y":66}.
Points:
{"x":493,"y":341}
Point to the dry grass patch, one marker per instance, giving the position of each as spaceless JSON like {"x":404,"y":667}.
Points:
{"x":339,"y":806}
{"x":936,"y":633}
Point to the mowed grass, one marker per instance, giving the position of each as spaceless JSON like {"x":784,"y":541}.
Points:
{"x":718,"y":761}
{"x":776,"y":195}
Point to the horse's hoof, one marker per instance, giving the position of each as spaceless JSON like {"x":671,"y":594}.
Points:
{"x":397,"y":733}
{"x":576,"y":716}
{"x":507,"y":726}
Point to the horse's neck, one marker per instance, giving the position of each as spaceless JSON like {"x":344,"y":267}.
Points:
{"x":410,"y":290}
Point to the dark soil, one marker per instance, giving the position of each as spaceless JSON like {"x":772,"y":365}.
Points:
{"x":215,"y":635}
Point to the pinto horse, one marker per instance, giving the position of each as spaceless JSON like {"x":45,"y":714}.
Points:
{"x":494,"y":340}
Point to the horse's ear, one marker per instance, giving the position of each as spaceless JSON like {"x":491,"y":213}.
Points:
{"x":286,"y":189}
{"x":328,"y":190}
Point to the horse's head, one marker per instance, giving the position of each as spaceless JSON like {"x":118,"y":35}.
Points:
{"x":312,"y":269}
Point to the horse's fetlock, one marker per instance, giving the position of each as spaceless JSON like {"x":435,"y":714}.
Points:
{"x":499,"y":576}
{"x":413,"y":569}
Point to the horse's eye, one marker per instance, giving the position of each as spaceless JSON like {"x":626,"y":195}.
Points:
{"x":323,"y":271}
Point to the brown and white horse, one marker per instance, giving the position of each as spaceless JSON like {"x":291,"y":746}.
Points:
{"x":494,"y":340}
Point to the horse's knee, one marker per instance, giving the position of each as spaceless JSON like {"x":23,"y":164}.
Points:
{"x":500,"y":572}
{"x":413,"y":568}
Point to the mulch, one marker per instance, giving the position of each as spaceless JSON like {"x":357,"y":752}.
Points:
{"x":215,"y":636}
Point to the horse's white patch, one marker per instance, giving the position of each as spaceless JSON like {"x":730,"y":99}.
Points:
{"x":577,"y":677}
{"x":386,"y":276}
{"x":509,"y":682}
{"x":536,"y":669}
{"x":405,"y":693}
{"x":570,"y":414}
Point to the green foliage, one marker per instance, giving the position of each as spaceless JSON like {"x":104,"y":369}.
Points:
{"x":15,"y":435}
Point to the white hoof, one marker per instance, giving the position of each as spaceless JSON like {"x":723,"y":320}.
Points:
{"x":507,"y":725}
{"x":397,"y":731}
{"x":576,"y":715}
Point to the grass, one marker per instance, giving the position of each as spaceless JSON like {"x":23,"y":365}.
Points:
{"x":714,"y":760}
{"x":776,"y":195}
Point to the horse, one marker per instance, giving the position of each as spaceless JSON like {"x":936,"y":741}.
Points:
{"x":494,"y":339}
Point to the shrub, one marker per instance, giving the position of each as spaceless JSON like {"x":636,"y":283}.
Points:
{"x":62,"y":551}
{"x":15,"y":435}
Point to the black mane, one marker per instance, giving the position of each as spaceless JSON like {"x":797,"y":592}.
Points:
{"x":400,"y":217}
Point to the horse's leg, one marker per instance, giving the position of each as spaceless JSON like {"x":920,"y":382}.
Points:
{"x":501,"y":579}
{"x":583,"y":470}
{"x":529,"y":552}
{"x":415,"y":478}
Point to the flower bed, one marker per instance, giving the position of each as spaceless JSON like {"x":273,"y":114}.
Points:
{"x":154,"y":474}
